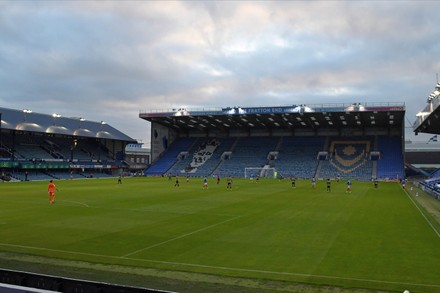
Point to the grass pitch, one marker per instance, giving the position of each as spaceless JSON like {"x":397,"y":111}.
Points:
{"x":263,"y":236}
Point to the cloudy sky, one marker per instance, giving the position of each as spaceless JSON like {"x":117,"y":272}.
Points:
{"x":111,"y":60}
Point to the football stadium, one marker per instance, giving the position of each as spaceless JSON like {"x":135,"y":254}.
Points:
{"x":292,"y":198}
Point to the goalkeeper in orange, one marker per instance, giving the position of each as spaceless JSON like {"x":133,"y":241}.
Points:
{"x":51,"y":190}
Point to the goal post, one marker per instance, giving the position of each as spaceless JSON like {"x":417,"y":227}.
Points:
{"x":262,"y":172}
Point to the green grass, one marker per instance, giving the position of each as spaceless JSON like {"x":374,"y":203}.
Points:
{"x":263,"y":235}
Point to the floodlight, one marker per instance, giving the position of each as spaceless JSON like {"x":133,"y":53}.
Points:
{"x":349,"y":108}
{"x":421,"y":114}
{"x":55,"y":115}
{"x":308,"y":109}
{"x":25,"y":112}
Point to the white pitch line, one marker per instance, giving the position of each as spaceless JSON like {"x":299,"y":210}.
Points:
{"x":179,"y":237}
{"x":77,"y":202}
{"x":423,"y":215}
{"x":223,"y":268}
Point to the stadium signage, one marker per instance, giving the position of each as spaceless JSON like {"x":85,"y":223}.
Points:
{"x":90,"y":166}
{"x":262,"y":110}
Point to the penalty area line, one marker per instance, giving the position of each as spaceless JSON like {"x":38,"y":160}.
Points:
{"x":222,"y":268}
{"x":75,"y":202}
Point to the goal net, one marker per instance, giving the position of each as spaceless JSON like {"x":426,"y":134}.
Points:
{"x":262,"y":172}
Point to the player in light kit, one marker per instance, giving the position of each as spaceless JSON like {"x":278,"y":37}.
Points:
{"x":229,"y":186}
{"x":205,"y":183}
{"x":313,"y":183}
{"x":348,"y":186}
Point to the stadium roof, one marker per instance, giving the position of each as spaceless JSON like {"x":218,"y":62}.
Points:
{"x":323,"y":116}
{"x":26,"y":120}
{"x":428,"y":120}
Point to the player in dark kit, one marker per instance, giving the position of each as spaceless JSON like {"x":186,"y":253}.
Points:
{"x":293,"y":182}
{"x":229,"y":181}
{"x":329,"y":185}
{"x":376,"y":183}
{"x":177,"y":182}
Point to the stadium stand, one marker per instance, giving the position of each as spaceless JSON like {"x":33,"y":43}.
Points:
{"x":247,"y":152}
{"x":348,"y":158}
{"x":391,"y":160}
{"x":326,"y":140}
{"x":297,"y":156}
{"x":171,"y":156}
{"x":34,"y":148}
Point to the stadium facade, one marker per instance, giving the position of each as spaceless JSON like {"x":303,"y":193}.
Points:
{"x":428,"y":121}
{"x":358,"y":141}
{"x":41,"y":146}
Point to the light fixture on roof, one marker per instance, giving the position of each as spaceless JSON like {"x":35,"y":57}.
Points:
{"x":422,"y":114}
{"x":80,"y":121}
{"x":25,"y":112}
{"x":307,"y":109}
{"x":102,"y":124}
{"x":55,"y":116}
{"x":350,"y":108}
{"x":431,"y":97}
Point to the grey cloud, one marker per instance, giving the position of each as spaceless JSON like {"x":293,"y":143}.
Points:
{"x":95,"y":59}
